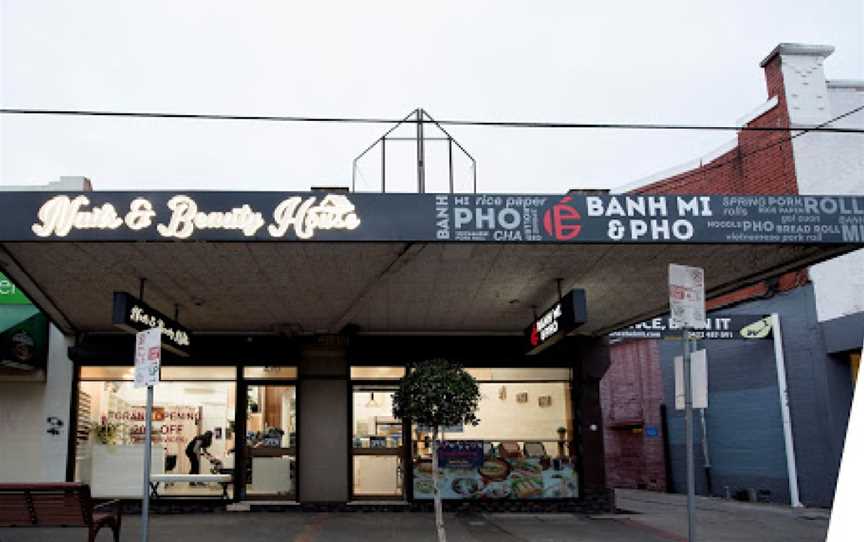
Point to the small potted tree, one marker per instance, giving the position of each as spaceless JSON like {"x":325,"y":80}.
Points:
{"x":433,"y":394}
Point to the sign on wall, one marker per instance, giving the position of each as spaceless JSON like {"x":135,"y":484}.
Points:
{"x":301,"y":216}
{"x":10,"y":294}
{"x":556,"y":322}
{"x":133,"y":315}
{"x":24,"y":343}
{"x":23,"y":334}
{"x":728,"y":327}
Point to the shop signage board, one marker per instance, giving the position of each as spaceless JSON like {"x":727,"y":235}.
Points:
{"x":722,"y":327}
{"x":133,"y":315}
{"x":460,"y":454}
{"x":556,"y":322}
{"x":687,"y":295}
{"x":24,"y":341}
{"x":10,"y":294}
{"x":148,"y":357}
{"x":323,"y":216}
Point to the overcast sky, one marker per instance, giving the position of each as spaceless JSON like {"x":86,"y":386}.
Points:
{"x":681,"y":61}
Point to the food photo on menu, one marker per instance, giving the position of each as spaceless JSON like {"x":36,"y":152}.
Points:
{"x":468,"y":470}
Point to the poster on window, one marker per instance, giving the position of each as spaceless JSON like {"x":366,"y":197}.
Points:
{"x":173,"y":427}
{"x":464,"y":475}
{"x":460,"y":454}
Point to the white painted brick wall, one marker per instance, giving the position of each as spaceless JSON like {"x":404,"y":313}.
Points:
{"x":28,"y":453}
{"x":828,"y":164}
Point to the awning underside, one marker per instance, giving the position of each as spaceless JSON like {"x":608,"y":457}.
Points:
{"x":379,"y":287}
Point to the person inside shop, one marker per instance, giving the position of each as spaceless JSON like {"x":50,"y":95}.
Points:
{"x":198,"y":446}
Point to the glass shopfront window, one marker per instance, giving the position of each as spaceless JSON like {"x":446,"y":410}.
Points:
{"x":377,"y":444}
{"x":193,"y":430}
{"x":271,"y":441}
{"x":521,"y":449}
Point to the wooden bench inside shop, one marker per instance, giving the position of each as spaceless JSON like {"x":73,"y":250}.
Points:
{"x":57,"y":505}
{"x":222,"y":479}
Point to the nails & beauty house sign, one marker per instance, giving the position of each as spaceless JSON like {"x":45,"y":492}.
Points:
{"x":301,"y":216}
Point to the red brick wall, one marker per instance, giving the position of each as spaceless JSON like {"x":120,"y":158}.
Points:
{"x":761,"y":163}
{"x":630,"y":394}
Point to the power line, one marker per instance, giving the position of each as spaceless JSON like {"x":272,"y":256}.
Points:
{"x":371,"y":120}
{"x":700,"y":170}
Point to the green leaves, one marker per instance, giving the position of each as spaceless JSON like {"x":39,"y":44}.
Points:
{"x":437,"y":392}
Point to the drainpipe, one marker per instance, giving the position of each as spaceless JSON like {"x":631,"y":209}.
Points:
{"x":780,"y":360}
{"x":705,"y":455}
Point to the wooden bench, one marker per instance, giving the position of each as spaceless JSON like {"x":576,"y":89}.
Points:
{"x":222,"y":479}
{"x":56,"y":505}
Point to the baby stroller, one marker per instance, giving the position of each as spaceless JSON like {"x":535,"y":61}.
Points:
{"x":215,"y":464}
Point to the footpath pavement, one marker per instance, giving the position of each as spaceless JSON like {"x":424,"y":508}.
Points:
{"x":655,"y":517}
{"x":718,"y":520}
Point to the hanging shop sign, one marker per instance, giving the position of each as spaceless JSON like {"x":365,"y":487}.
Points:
{"x":133,"y":315}
{"x":302,"y":216}
{"x":725,"y":327}
{"x":556,"y":322}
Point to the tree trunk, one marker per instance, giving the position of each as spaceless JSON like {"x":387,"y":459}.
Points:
{"x":436,"y":493}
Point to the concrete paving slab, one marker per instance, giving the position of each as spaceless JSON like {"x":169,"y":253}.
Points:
{"x":655,"y":518}
{"x":720,"y":520}
{"x":345,"y":527}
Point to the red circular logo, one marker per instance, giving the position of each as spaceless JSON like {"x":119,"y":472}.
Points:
{"x":562,"y":220}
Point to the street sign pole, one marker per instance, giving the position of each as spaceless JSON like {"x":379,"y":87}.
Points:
{"x":148,"y":445}
{"x":148,"y":357}
{"x":688,"y":435}
{"x":687,"y":307}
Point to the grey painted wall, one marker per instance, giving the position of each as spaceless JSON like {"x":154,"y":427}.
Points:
{"x":323,"y":436}
{"x":745,"y":435}
{"x":743,"y":416}
{"x":323,"y":460}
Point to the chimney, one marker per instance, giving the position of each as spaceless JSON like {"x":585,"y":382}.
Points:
{"x":794,"y":73}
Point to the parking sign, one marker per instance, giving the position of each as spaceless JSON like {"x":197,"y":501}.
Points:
{"x":148,"y":357}
{"x":687,"y":295}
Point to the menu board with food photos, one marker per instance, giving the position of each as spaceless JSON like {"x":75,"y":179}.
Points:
{"x":496,"y":476}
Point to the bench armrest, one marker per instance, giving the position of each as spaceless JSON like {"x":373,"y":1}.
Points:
{"x":115,"y":503}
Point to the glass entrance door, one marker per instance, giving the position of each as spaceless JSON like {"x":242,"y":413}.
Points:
{"x":377,"y":444}
{"x":271,"y":441}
